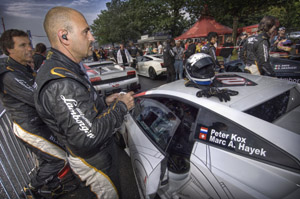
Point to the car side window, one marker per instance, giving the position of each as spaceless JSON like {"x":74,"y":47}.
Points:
{"x":157,"y":121}
{"x":218,"y":131}
{"x":147,"y":59}
{"x":139,"y":58}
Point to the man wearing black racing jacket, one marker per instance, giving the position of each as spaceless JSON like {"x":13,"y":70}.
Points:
{"x":68,"y":103}
{"x":259,"y":49}
{"x":210,"y":49}
{"x":16,"y":94}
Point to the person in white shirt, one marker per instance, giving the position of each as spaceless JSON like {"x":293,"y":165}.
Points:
{"x":123,"y":56}
{"x":159,"y":48}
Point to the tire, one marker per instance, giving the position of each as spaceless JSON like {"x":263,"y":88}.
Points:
{"x":152,"y":73}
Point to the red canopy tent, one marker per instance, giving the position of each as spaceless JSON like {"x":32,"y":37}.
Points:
{"x":203,"y":26}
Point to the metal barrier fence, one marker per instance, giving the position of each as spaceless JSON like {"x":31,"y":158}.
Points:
{"x":17,"y":163}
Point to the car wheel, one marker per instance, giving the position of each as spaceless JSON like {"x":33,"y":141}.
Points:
{"x":152,"y":73}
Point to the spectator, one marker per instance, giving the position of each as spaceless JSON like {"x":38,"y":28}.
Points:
{"x":16,"y":94}
{"x":39,"y":55}
{"x":72,"y":108}
{"x":169,"y":59}
{"x":227,"y":49}
{"x":198,"y":46}
{"x":178,"y":65}
{"x":95,"y":57}
{"x":159,"y":48}
{"x":123,"y":56}
{"x":257,"y":47}
{"x":275,"y":41}
{"x":132,"y":50}
{"x":210,"y":49}
{"x":243,"y":38}
{"x":102,"y":54}
{"x":191,"y":49}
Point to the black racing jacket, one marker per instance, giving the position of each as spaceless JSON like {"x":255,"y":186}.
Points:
{"x":247,"y":50}
{"x":16,"y":94}
{"x":261,"y":50}
{"x":210,"y":49}
{"x":70,"y":106}
{"x":168,"y":55}
{"x":256,"y":52}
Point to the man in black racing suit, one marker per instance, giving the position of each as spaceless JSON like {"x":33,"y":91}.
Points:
{"x":16,"y":94}
{"x":70,"y":106}
{"x":210,"y":49}
{"x":256,"y":57}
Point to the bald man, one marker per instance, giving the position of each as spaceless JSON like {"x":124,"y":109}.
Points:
{"x":70,"y":106}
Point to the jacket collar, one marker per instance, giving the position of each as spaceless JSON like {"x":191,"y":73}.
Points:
{"x":56,"y":55}
{"x":17,"y":66}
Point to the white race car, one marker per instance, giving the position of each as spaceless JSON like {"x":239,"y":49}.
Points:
{"x":184,"y":146}
{"x":150,"y":65}
{"x":108,"y":77}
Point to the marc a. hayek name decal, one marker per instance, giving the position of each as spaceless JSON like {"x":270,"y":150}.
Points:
{"x":230,"y":140}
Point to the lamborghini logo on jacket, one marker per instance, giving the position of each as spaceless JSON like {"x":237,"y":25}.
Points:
{"x":78,"y":116}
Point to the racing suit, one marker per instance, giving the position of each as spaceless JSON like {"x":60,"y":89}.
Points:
{"x":256,"y":55}
{"x":16,"y":94}
{"x":210,"y":49}
{"x":71,"y":107}
{"x":169,"y":59}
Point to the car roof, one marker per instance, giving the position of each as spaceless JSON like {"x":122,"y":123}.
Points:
{"x":249,"y":96}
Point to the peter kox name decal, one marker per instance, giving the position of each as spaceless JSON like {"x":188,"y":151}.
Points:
{"x":231,"y":141}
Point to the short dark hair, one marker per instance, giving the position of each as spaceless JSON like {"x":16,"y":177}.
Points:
{"x":40,"y":48}
{"x":6,"y":39}
{"x":266,"y":23}
{"x":210,"y":35}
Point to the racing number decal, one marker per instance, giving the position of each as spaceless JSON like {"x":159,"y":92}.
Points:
{"x":233,"y":80}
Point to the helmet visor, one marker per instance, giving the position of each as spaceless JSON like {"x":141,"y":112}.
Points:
{"x":203,"y":68}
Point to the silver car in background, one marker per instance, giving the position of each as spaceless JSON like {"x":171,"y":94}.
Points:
{"x":108,"y":77}
{"x":182,"y":146}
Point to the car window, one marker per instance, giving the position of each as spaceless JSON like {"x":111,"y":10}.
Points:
{"x":147,"y":59}
{"x":157,"y":121}
{"x":158,"y":56}
{"x":219,"y":131}
{"x":139,"y":58}
{"x":277,"y":106}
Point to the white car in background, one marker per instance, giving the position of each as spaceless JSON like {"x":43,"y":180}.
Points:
{"x":108,"y":77}
{"x":182,"y":146}
{"x":150,"y":65}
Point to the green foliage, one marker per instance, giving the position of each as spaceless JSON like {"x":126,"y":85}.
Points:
{"x":126,"y":20}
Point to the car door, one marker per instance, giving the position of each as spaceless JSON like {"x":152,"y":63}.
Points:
{"x":150,"y":129}
{"x":241,"y":162}
{"x":140,"y":65}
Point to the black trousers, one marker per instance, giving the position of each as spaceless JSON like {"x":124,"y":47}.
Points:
{"x":171,"y":75}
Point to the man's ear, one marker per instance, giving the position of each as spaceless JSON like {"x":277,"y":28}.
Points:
{"x":63,"y":37}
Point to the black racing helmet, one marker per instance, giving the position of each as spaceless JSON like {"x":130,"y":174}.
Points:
{"x":199,"y":69}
